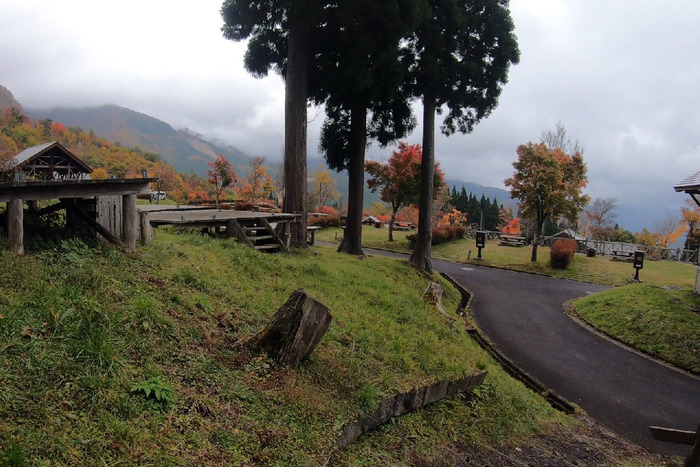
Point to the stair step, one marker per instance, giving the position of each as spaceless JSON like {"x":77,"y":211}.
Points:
{"x":271,"y":246}
{"x":261,"y":238}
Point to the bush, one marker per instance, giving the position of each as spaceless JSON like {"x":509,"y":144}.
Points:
{"x":243,"y":206}
{"x":562,"y":253}
{"x":324,"y":221}
{"x":441,"y":235}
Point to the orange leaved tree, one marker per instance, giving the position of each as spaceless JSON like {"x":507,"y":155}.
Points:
{"x":548,"y":184}
{"x":221,"y":175}
{"x":398,"y":180}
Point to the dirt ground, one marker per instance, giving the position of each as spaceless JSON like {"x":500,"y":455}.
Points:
{"x":591,"y":445}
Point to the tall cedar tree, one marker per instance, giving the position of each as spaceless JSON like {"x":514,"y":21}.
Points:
{"x":459,"y":58}
{"x":284,"y":36}
{"x":548,"y":184}
{"x":399,"y":179}
{"x":364,"y":77}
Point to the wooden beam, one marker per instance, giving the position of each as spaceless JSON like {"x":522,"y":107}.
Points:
{"x":15,"y":225}
{"x":147,"y":231}
{"x":130,"y":221}
{"x":85,"y":217}
{"x":671,"y":435}
{"x":55,"y":189}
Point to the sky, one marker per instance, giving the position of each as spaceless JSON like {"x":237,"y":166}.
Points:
{"x":621,"y":75}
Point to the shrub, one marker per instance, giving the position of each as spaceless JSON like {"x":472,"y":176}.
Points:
{"x":562,"y":253}
{"x":243,"y":206}
{"x":324,"y":221}
{"x":441,"y":235}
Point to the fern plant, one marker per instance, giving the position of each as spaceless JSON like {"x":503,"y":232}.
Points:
{"x":155,"y":388}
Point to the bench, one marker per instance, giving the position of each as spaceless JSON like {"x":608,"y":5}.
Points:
{"x":512,"y":240}
{"x":402,"y":226}
{"x":311,"y":234}
{"x":622,"y":255}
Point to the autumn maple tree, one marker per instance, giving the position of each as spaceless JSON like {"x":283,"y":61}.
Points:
{"x":398,"y":180}
{"x":323,"y":188}
{"x":258,"y":183}
{"x":221,"y":175}
{"x":690,"y":215}
{"x":548,"y":184}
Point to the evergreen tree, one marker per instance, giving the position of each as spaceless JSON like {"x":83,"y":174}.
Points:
{"x":459,"y":57}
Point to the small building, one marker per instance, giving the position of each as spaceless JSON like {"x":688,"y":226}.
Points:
{"x":48,"y":161}
{"x":50,"y":172}
{"x":691,"y":186}
{"x":371,"y":220}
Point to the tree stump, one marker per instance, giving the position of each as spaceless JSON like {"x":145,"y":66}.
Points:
{"x":433,"y":295}
{"x":296,"y":329}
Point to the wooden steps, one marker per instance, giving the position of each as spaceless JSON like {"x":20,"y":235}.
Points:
{"x":256,"y":233}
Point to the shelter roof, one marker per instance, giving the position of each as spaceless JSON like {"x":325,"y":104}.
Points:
{"x":46,"y":161}
{"x":690,"y":185}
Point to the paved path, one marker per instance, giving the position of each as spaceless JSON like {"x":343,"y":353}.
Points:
{"x":522,"y":315}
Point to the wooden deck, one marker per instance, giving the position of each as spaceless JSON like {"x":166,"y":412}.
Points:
{"x":260,"y":230}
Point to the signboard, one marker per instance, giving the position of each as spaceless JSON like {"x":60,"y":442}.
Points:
{"x":480,"y":239}
{"x":638,"y":260}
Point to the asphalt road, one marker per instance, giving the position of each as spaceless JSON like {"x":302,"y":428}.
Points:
{"x":522,"y":315}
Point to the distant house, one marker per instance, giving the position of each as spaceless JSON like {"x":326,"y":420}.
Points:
{"x":48,"y":161}
{"x":569,"y":233}
{"x":371,"y":220}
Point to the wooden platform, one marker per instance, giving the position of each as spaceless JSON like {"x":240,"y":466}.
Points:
{"x":261,"y":230}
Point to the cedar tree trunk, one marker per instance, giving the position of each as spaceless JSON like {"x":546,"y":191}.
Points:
{"x":296,"y":95}
{"x":420,"y":258}
{"x":352,"y":240}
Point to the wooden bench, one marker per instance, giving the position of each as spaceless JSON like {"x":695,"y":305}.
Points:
{"x":622,"y":255}
{"x":402,"y":226}
{"x":512,"y":240}
{"x":311,"y":234}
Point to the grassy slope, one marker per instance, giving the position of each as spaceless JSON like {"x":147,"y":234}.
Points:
{"x":653,"y":319}
{"x":79,"y":328}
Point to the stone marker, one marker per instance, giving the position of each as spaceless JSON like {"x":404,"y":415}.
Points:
{"x":296,"y":329}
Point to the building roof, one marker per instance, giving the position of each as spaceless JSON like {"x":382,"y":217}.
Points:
{"x":46,"y":161}
{"x":690,"y":185}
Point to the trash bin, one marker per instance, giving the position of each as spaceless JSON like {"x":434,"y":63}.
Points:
{"x":590,"y":252}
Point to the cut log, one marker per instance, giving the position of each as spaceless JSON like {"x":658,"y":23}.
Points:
{"x":296,"y":329}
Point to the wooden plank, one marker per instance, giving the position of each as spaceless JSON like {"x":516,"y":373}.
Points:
{"x":147,"y":232}
{"x":671,"y":435}
{"x":15,"y":225}
{"x":236,"y":230}
{"x":41,"y":190}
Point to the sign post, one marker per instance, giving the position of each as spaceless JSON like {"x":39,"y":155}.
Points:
{"x":638,"y":264}
{"x":480,"y":242}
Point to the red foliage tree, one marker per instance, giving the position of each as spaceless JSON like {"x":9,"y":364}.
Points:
{"x":399,"y":179}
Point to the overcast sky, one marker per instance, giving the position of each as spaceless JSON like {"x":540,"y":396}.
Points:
{"x":621,"y":75}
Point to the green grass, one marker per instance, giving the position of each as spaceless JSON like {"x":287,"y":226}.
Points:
{"x":88,"y":335}
{"x":656,"y":320}
{"x":599,"y":270}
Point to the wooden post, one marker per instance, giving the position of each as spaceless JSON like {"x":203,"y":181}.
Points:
{"x":129,"y":221}
{"x":15,"y":225}
{"x":147,"y":232}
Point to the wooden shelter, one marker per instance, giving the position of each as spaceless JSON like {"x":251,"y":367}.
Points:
{"x":48,"y":161}
{"x":690,"y":185}
{"x":51,"y":172}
